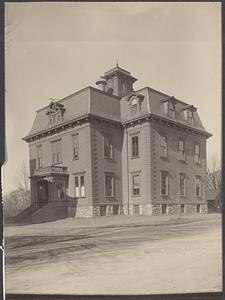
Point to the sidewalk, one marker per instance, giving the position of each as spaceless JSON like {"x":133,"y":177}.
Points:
{"x":70,"y":224}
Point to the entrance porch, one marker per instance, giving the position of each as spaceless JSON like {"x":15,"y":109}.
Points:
{"x":49,"y":184}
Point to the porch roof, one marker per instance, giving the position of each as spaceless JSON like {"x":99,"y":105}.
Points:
{"x":51,"y":171}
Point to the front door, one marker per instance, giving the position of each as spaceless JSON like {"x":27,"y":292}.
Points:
{"x":42,"y":193}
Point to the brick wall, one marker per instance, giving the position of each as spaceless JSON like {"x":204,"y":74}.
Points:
{"x":174,"y":167}
{"x":101,"y":165}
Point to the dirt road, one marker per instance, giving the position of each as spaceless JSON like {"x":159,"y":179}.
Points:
{"x":137,"y":259}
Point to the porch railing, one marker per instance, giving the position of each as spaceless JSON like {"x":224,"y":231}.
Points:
{"x":51,"y":170}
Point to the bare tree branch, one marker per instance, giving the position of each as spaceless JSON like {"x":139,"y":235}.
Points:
{"x":22,"y":177}
{"x":214,"y":180}
{"x":11,"y":23}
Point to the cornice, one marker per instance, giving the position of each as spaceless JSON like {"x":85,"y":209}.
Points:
{"x":68,"y":125}
{"x":97,"y":119}
{"x":170,"y":123}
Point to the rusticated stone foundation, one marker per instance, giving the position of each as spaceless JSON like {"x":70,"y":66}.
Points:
{"x":138,"y":209}
{"x":156,"y":209}
{"x":190,"y":208}
{"x":203,"y":209}
{"x":173,"y":209}
{"x":84,"y":212}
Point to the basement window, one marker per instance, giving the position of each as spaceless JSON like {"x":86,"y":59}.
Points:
{"x":136,"y":209}
{"x":164,"y":209}
{"x":198,"y":208}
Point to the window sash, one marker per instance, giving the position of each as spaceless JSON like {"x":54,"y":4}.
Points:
{"x":189,"y":117}
{"x":39,"y":156}
{"x":135,"y":150}
{"x":163,"y":146}
{"x":56,"y":152}
{"x":76,"y":146}
{"x":197,"y":157}
{"x":181,"y":150}
{"x":109,"y":185}
{"x":180,"y":145}
{"x":182,"y":185}
{"x":136,"y":185}
{"x":197,"y":149}
{"x":170,"y":110}
{"x":108,"y":148}
{"x":80,"y":190}
{"x":164,"y":183}
{"x":198,"y":187}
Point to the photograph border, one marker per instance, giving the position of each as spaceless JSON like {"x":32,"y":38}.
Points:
{"x":3,"y":159}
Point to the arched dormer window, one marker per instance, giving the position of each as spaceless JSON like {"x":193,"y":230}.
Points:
{"x":55,"y":112}
{"x":133,"y":105}
{"x":135,"y":101}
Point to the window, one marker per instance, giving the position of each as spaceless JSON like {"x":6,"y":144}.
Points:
{"x":164,"y":209}
{"x":181,"y":150}
{"x":189,"y":116}
{"x":60,"y":191}
{"x":56,"y":152}
{"x":115,"y":209}
{"x":39,"y":156}
{"x":102,"y":210}
{"x":171,"y":109}
{"x":198,"y":208}
{"x":136,"y":209}
{"x":182,"y":208}
{"x":198,"y":186}
{"x":163,"y":146}
{"x":136,"y":185}
{"x":164,"y":183}
{"x":134,"y":104}
{"x":135,"y":150}
{"x":55,"y":117}
{"x":197,"y":158}
{"x":109,"y":185}
{"x":75,"y":146}
{"x":55,"y":112}
{"x":182,"y":185}
{"x":124,"y":87}
{"x":108,"y":150}
{"x":80,"y":186}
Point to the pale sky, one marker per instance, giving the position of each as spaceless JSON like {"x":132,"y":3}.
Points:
{"x":57,"y":49}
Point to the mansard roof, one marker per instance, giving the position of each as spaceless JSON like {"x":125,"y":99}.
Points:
{"x":88,"y":101}
{"x":152,"y":105}
{"x":94,"y":102}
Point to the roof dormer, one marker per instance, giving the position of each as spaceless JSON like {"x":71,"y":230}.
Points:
{"x":189,"y":114}
{"x":170,"y":107}
{"x":55,"y":112}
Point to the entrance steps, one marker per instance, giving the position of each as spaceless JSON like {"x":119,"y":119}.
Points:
{"x":51,"y":211}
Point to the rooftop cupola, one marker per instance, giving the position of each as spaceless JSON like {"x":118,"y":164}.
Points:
{"x":119,"y":82}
